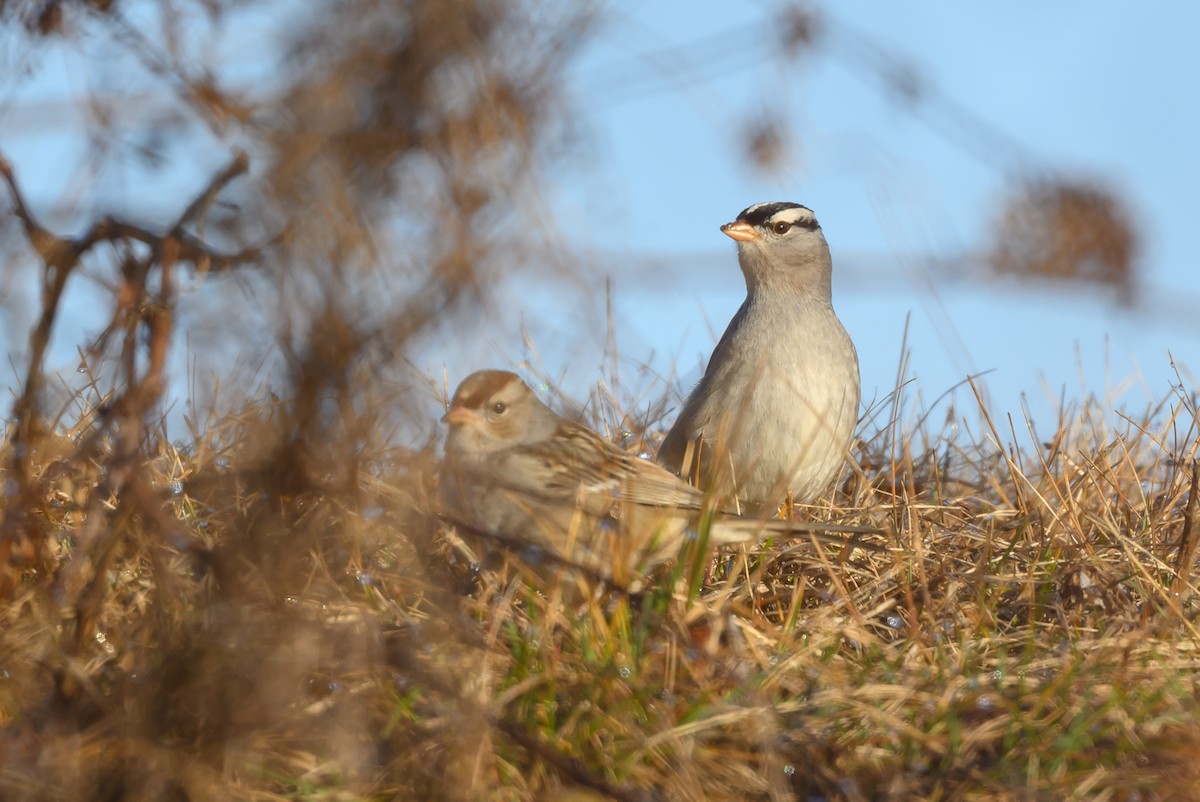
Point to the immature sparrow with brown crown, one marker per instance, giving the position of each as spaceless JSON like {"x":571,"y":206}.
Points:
{"x":517,"y":470}
{"x":775,"y":412}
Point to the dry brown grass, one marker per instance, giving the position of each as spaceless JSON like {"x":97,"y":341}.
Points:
{"x":253,"y":632}
{"x":270,"y":608}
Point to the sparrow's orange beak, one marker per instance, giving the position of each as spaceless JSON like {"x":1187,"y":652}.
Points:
{"x":742,"y":232}
{"x":459,"y":416}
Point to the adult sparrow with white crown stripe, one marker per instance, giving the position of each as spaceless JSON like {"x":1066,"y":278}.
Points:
{"x":774,"y":414}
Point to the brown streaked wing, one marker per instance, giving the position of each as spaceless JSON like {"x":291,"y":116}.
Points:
{"x":572,"y":451}
{"x":649,"y":483}
{"x":618,"y":472}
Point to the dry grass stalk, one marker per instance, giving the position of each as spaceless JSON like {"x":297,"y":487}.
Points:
{"x":272,"y":610}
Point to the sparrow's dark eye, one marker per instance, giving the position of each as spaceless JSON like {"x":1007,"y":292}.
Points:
{"x":499,"y":407}
{"x":781,"y":227}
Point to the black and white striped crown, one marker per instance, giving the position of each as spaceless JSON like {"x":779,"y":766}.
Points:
{"x":766,"y":215}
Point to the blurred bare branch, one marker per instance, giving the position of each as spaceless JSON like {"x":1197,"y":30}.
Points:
{"x":1068,"y":231}
{"x":391,"y":156}
{"x":270,"y":608}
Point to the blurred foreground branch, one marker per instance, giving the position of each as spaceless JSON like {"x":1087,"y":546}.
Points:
{"x":143,"y":314}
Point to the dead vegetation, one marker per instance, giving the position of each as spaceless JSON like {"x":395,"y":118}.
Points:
{"x":245,"y":626}
{"x":268,"y":608}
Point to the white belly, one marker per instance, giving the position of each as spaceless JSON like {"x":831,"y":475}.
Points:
{"x":791,"y":430}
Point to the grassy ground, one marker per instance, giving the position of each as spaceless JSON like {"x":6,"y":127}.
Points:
{"x":276,"y":613}
{"x":273,"y":611}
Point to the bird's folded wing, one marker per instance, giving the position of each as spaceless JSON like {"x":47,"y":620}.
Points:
{"x":644,"y":482}
{"x":578,"y":463}
{"x":559,"y":469}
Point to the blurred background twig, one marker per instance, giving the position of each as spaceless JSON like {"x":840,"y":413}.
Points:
{"x":221,"y":570}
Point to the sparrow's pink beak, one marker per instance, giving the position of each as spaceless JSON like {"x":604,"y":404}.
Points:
{"x":459,"y":416}
{"x":742,"y":232}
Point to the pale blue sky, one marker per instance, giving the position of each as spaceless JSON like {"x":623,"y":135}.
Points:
{"x":1092,"y":90}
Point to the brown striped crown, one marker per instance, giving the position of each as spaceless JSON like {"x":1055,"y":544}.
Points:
{"x":476,"y":389}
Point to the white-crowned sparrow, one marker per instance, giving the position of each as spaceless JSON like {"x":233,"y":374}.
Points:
{"x":517,"y":470}
{"x":775,"y":412}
